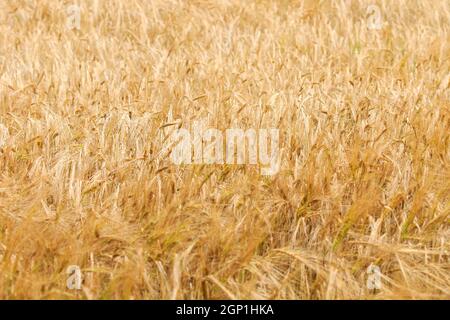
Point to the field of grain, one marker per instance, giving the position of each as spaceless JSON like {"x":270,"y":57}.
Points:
{"x":86,"y":180}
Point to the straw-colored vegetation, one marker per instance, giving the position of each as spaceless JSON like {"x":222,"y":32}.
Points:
{"x":364,"y":132}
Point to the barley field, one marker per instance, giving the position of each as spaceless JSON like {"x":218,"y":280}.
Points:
{"x":359,"y":91}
